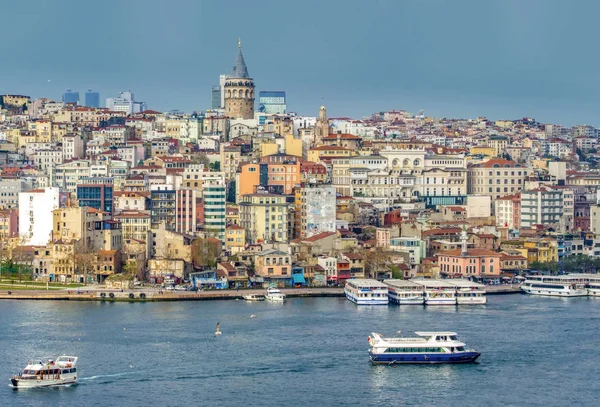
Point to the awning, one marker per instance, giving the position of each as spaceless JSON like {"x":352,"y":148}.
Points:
{"x":298,"y":279}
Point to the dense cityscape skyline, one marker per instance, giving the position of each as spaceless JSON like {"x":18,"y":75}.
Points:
{"x":408,"y":55}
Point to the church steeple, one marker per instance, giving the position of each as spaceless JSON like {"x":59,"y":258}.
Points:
{"x":240,"y":71}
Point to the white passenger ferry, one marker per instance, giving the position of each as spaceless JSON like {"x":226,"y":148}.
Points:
{"x":468,"y":292}
{"x":366,"y":292}
{"x":274,"y":295}
{"x":593,"y":285}
{"x":47,"y":372}
{"x":438,"y":292}
{"x":427,"y":347}
{"x":555,"y":286}
{"x":405,"y":292}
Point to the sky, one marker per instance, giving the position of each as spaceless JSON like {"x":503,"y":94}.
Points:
{"x":503,"y":59}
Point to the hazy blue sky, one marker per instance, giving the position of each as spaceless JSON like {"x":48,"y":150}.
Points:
{"x":453,"y":58}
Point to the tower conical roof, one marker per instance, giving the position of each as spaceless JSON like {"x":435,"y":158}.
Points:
{"x":239,"y":69}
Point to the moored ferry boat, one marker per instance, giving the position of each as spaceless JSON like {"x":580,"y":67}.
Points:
{"x":438,"y":292}
{"x":593,"y":286}
{"x":405,"y":292}
{"x":274,"y":295}
{"x":427,"y":347}
{"x":555,"y":286}
{"x":366,"y":292}
{"x":47,"y":372}
{"x":468,"y":292}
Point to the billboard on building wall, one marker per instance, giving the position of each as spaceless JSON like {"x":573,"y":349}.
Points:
{"x":320,"y":210}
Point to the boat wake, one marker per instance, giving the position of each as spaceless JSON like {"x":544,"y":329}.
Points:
{"x":103,"y":376}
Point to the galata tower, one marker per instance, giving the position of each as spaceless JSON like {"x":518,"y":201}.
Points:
{"x":239,"y":90}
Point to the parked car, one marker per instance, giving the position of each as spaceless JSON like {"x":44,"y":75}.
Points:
{"x":170,"y":288}
{"x":179,"y":288}
{"x":191,"y":288}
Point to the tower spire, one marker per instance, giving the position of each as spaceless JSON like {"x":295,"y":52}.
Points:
{"x":240,"y":71}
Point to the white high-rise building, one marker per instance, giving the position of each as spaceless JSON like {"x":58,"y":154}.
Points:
{"x":125,"y":102}
{"x":35,"y":215}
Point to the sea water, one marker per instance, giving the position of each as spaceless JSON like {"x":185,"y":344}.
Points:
{"x":310,"y":351}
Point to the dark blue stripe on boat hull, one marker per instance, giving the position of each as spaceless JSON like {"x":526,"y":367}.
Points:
{"x":410,"y":358}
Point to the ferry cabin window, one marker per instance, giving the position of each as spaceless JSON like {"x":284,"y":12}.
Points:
{"x":413,"y":350}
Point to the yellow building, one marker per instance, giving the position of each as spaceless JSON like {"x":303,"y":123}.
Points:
{"x":294,"y":146}
{"x":43,"y":129}
{"x":235,"y":239}
{"x":315,"y":154}
{"x":505,"y":124}
{"x":541,"y":250}
{"x":268,"y":147}
{"x":15,"y":100}
{"x":265,"y":217}
{"x":483,"y":150}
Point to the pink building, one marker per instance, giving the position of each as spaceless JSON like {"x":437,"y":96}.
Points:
{"x":9,"y":223}
{"x":474,"y":262}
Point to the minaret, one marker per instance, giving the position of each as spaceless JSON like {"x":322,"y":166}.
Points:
{"x":463,"y":238}
{"x":321,"y":126}
{"x":239,"y":90}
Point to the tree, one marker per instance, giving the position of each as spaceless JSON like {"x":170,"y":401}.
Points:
{"x":205,"y":252}
{"x":201,"y":158}
{"x":85,"y":261}
{"x":131,"y":268}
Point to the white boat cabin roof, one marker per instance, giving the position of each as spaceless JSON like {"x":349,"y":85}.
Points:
{"x":401,"y":283}
{"x":429,"y":334}
{"x":366,"y":283}
{"x":433,"y":283}
{"x":464,"y":283}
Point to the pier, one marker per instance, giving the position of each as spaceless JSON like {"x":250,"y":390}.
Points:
{"x":153,"y":294}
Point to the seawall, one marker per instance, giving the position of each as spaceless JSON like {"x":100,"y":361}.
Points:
{"x":138,"y":295}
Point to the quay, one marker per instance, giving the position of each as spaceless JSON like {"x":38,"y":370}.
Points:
{"x":153,"y":294}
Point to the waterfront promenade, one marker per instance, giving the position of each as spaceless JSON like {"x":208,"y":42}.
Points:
{"x":153,"y":294}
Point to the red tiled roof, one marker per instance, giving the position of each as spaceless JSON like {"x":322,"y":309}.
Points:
{"x":500,"y":162}
{"x":319,"y":236}
{"x":442,"y":231}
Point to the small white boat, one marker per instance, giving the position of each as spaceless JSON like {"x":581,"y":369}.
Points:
{"x":254,"y":297}
{"x":274,"y":295}
{"x":218,"y":329}
{"x":47,"y":372}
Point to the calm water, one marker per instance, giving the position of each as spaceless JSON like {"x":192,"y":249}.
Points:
{"x":535,"y":351}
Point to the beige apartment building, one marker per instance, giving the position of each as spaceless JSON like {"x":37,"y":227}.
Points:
{"x":496,"y":178}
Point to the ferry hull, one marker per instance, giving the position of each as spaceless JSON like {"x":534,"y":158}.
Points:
{"x":594,"y":292}
{"x":30,"y":384}
{"x":423,"y":358}
{"x":362,"y":301}
{"x":440,"y":301}
{"x":275,"y":299}
{"x":555,"y":293}
{"x":407,"y":301}
{"x":471,"y":300}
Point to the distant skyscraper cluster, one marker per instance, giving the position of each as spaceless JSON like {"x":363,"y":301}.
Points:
{"x":70,"y":97}
{"x":92,"y":99}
